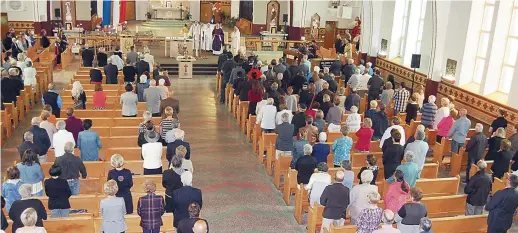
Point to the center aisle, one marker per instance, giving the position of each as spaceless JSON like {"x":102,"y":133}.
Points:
{"x":238,"y":195}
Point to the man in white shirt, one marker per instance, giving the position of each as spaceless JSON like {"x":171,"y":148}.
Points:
{"x":354,"y":81}
{"x":61,"y":138}
{"x":267,"y":117}
{"x":150,"y":59}
{"x":278,"y":117}
{"x":259,"y":108}
{"x":362,"y":83}
{"x":395,"y":125}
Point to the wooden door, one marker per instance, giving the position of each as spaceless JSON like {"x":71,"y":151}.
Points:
{"x":5,"y":25}
{"x":329,"y":39}
{"x":205,"y":12}
{"x":130,"y":10}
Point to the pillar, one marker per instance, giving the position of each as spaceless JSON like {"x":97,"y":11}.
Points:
{"x":371,"y":26}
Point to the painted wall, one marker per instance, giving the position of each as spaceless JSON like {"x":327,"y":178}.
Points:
{"x":141,"y":9}
{"x":83,"y":10}
{"x":387,"y":15}
{"x":194,"y":7}
{"x":54,"y":5}
{"x":303,"y":10}
{"x":27,"y":14}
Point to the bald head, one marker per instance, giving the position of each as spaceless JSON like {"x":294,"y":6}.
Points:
{"x":200,"y":226}
{"x":339,"y":176}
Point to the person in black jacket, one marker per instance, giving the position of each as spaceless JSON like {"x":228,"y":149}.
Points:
{"x":298,"y":82}
{"x":87,"y":56}
{"x":19,"y":206}
{"x":335,"y":199}
{"x":502,"y":159}
{"x":171,"y":181}
{"x":305,"y":165}
{"x":96,"y":76}
{"x":371,"y":165}
{"x":9,"y":90}
{"x":299,"y":119}
{"x":5,"y":224}
{"x":45,"y":43}
{"x":102,"y":58}
{"x":40,"y":138}
{"x":476,"y":147}
{"x":243,"y":88}
{"x":348,"y":70}
{"x":392,"y":154}
{"x":336,"y":67}
{"x":502,"y":207}
{"x":129,"y":72}
{"x":186,"y":225}
{"x":59,"y":192}
{"x":141,"y":67}
{"x":478,"y":189}
{"x":111,"y":72}
{"x":171,"y":147}
{"x":27,"y":144}
{"x":183,"y":197}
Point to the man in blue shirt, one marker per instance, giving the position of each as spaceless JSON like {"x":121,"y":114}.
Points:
{"x":459,"y":131}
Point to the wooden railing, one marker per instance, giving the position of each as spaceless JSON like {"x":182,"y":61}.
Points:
{"x":272,"y":45}
{"x":480,"y":108}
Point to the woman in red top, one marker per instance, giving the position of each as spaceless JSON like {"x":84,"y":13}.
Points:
{"x":313,"y":110}
{"x":255,"y":70}
{"x":99,"y":98}
{"x":254,"y":95}
{"x":364,"y":135}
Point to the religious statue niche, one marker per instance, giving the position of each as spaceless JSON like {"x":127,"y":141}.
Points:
{"x":315,"y":24}
{"x":68,"y":14}
{"x":272,"y":16}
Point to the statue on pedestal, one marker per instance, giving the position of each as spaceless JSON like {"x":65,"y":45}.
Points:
{"x":272,"y":16}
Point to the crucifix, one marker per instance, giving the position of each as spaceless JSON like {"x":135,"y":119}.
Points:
{"x":185,"y":68}
{"x":181,"y":10}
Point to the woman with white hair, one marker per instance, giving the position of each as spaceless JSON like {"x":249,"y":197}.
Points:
{"x":164,"y":91}
{"x":317,"y":183}
{"x":117,"y":61}
{"x":184,"y":197}
{"x":444,"y":111}
{"x":354,"y":120}
{"x":387,"y":220}
{"x":179,"y":141}
{"x":124,"y":179}
{"x":141,"y":86}
{"x":428,"y":112}
{"x":370,"y":217}
{"x":29,"y":218}
{"x":359,"y":196}
{"x":305,"y":165}
{"x":78,"y":95}
{"x":29,"y":76}
{"x":321,"y":149}
{"x":113,"y":209}
{"x":342,"y":147}
{"x":60,"y":138}
{"x":19,"y":206}
{"x":168,"y":123}
{"x":387,"y":95}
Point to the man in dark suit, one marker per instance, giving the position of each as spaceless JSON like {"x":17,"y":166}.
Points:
{"x":375,"y":85}
{"x":348,"y":70}
{"x":27,"y":144}
{"x":503,"y":206}
{"x":336,"y":67}
{"x":335,"y":200}
{"x":187,"y":224}
{"x":171,"y":181}
{"x":87,"y":56}
{"x":476,"y":148}
{"x":142,"y":66}
{"x":111,"y":72}
{"x":170,"y":102}
{"x":96,"y":76}
{"x":478,"y":190}
{"x":183,"y":197}
{"x":299,"y":119}
{"x":284,"y":141}
{"x":41,"y":139}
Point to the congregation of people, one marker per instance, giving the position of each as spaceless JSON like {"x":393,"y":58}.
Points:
{"x":303,"y":104}
{"x":26,"y":180}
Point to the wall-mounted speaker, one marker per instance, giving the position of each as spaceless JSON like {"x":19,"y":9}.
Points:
{"x":285,"y":18}
{"x":57,"y":12}
{"x":416,"y":61}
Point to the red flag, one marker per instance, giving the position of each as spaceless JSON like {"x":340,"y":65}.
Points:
{"x":122,"y":9}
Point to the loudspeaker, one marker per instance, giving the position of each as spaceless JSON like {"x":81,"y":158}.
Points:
{"x":285,"y":18}
{"x":57,"y":13}
{"x":416,"y":61}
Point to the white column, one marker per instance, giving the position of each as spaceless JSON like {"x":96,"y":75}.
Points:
{"x":413,"y":30}
{"x":194,"y":8}
{"x":100,"y":8}
{"x":116,"y":13}
{"x":141,"y":8}
{"x":512,"y":100}
{"x":234,"y":8}
{"x":397,"y":32}
{"x":371,"y":24}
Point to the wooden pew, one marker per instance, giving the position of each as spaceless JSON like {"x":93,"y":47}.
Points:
{"x":250,"y":124}
{"x":460,"y":224}
{"x":473,"y":169}
{"x":266,"y":139}
{"x":290,"y":185}
{"x":76,"y":224}
{"x":133,"y":223}
{"x":129,"y":153}
{"x":280,"y":169}
{"x":434,"y":187}
{"x":244,"y":108}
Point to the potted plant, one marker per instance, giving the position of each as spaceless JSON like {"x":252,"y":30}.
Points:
{"x":188,"y":16}
{"x":148,"y":15}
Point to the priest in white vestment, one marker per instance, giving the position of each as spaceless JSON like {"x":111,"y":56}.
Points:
{"x":236,"y":38}
{"x":195,"y":32}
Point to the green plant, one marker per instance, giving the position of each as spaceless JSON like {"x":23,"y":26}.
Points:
{"x":223,"y":16}
{"x":232,"y":22}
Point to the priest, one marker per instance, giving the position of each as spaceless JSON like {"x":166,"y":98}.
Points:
{"x":217,"y":40}
{"x":236,"y":38}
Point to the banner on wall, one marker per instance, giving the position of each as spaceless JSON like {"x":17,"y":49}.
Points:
{"x":107,"y":5}
{"x":122,"y":9}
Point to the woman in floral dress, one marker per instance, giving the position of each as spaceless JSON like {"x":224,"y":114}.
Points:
{"x":370,"y":217}
{"x":342,"y":147}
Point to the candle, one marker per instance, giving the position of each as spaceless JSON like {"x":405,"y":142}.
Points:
{"x":137,"y":29}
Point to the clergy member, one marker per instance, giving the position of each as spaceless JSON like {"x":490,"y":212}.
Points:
{"x":217,"y":40}
{"x":195,"y":32}
{"x":236,"y":37}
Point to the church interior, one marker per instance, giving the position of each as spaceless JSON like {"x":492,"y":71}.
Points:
{"x":459,"y":56}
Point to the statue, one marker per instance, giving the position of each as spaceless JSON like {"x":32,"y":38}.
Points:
{"x":272,"y":16}
{"x":68,"y":14}
{"x":315,"y":23}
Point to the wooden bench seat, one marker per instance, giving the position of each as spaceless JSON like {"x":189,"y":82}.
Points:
{"x":106,"y":87}
{"x":95,"y":169}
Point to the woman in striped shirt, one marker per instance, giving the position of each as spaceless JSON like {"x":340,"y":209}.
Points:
{"x":168,"y":123}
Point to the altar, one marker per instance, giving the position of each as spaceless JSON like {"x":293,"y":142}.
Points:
{"x":167,"y":13}
{"x":174,"y":43}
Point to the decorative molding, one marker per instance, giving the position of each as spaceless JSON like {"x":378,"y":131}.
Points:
{"x":480,"y":108}
{"x":21,"y":25}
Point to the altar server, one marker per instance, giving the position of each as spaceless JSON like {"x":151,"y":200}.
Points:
{"x":236,"y":37}
{"x":195,"y":32}
{"x":218,"y":37}
{"x":206,"y":39}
